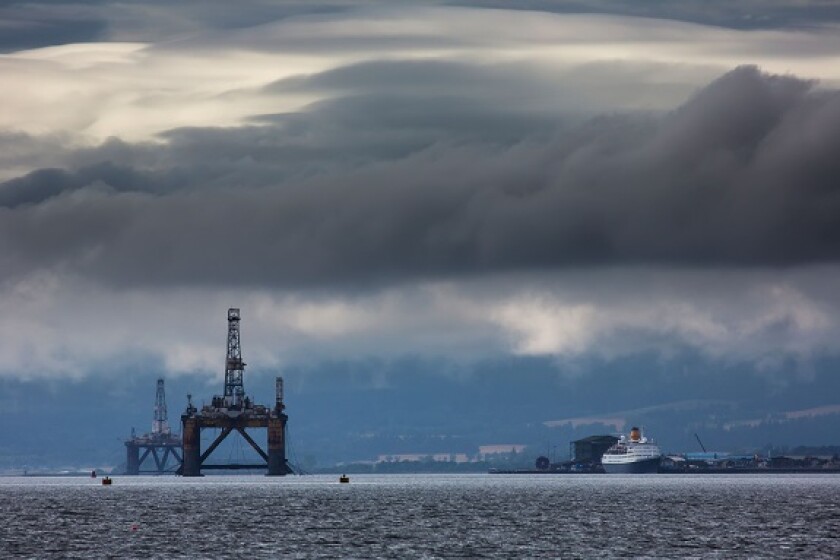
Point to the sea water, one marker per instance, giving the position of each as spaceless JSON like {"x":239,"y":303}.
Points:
{"x":423,"y":516}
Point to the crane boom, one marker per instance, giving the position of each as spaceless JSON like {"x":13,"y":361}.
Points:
{"x":703,"y":447}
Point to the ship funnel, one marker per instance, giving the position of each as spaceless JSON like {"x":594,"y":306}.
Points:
{"x":635,"y":434}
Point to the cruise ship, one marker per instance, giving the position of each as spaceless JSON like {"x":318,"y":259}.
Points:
{"x":636,"y":454}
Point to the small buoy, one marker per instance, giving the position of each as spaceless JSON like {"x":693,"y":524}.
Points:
{"x":134,"y":527}
{"x":106,"y":481}
{"x":344,"y":479}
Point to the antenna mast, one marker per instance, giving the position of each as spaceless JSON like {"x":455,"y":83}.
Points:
{"x":234,"y":366}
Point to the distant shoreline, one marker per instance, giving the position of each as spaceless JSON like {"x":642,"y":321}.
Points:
{"x":690,"y":472}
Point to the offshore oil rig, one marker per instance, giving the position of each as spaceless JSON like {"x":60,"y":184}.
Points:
{"x":234,"y":411}
{"x":161,"y":443}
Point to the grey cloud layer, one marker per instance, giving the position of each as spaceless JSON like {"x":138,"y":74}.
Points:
{"x":382,"y":187}
{"x":390,"y":186}
{"x":40,"y":23}
{"x":28,"y":25}
{"x":524,"y":158}
{"x":744,"y":14}
{"x":384,"y":184}
{"x":53,"y":22}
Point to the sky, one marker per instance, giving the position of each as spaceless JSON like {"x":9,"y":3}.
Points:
{"x":463,"y":182}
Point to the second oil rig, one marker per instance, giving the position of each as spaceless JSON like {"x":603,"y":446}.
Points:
{"x":161,"y":443}
{"x":234,"y":411}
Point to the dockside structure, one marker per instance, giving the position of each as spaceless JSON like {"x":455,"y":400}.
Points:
{"x":591,"y":449}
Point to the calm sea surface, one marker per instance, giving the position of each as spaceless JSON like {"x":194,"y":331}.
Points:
{"x":424,"y":516}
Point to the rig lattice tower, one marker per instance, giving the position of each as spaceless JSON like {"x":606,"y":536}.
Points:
{"x":160,"y":424}
{"x":234,"y":366}
{"x":234,"y":411}
{"x":160,"y":443}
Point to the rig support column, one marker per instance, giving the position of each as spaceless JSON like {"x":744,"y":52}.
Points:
{"x":277,"y":446}
{"x":277,"y":465}
{"x":192,"y":446}
{"x":132,"y":460}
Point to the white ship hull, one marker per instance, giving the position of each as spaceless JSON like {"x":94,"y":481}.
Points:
{"x":632,"y":467}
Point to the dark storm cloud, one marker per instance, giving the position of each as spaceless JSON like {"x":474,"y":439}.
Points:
{"x":43,"y":23}
{"x":39,"y":23}
{"x":44,"y":184}
{"x":398,"y":186}
{"x":25,"y":25}
{"x":744,"y":14}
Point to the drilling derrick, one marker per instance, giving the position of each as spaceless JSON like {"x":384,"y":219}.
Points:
{"x":160,"y":443}
{"x":234,"y":366}
{"x":232,"y":412}
{"x":160,"y":426}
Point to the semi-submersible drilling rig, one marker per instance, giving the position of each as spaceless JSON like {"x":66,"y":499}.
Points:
{"x":160,"y":443}
{"x":234,"y":411}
